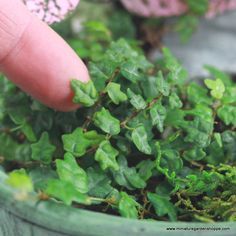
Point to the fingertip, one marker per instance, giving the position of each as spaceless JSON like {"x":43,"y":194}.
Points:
{"x":43,"y":65}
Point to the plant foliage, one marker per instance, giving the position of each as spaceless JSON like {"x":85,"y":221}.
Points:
{"x":145,"y":143}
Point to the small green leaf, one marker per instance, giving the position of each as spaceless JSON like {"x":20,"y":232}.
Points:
{"x":140,"y":139}
{"x":128,"y":207}
{"x":171,"y":160}
{"x":106,"y":122}
{"x":28,"y":132}
{"x":175,"y":101}
{"x":218,"y":139}
{"x":99,"y":28}
{"x":150,"y":87}
{"x":134,"y":178}
{"x":19,"y":180}
{"x":12,"y":150}
{"x":199,"y":132}
{"x":215,"y":154}
{"x":127,"y":176}
{"x":227,"y":113}
{"x":229,"y":95}
{"x":198,"y":95}
{"x":136,"y":100}
{"x":68,"y":170}
{"x":216,"y":73}
{"x":194,"y":154}
{"x":106,"y":156}
{"x":78,"y":142}
{"x":115,"y":93}
{"x":201,"y":111}
{"x":19,"y":116}
{"x":164,"y":189}
{"x":145,"y":169}
{"x":229,"y":140}
{"x":162,"y":206}
{"x":43,"y":150}
{"x":99,"y":183}
{"x":131,"y":62}
{"x":130,"y":71}
{"x":85,"y":93}
{"x":40,"y":176}
{"x":162,"y":84}
{"x":175,"y":118}
{"x":177,"y":74}
{"x":217,"y":87}
{"x":98,"y":75}
{"x":66,"y":192}
{"x":158,"y":115}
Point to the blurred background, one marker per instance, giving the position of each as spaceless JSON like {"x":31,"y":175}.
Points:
{"x":198,"y":32}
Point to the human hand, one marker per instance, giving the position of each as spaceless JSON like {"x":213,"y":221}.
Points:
{"x":37,"y":59}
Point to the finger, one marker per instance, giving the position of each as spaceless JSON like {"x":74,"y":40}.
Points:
{"x":37,"y":59}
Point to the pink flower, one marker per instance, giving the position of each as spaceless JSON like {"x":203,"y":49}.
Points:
{"x":163,"y":8}
{"x":51,"y":11}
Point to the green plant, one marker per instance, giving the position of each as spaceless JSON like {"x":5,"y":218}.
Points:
{"x":188,"y":23}
{"x":145,"y":143}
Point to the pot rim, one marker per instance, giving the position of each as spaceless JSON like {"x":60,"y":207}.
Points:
{"x":60,"y":218}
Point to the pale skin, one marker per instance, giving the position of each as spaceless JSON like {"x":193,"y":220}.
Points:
{"x":36,"y":58}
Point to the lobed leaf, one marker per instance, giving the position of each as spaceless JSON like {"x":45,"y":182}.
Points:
{"x":128,"y":207}
{"x":43,"y":150}
{"x":158,"y":115}
{"x":162,"y":206}
{"x":140,"y":139}
{"x":19,"y":180}
{"x":227,"y":113}
{"x":106,"y":122}
{"x":68,"y":170}
{"x":66,"y":192}
{"x":114,"y":92}
{"x":106,"y":156}
{"x":85,"y":93}
{"x":217,"y":87}
{"x":137,"y":101}
{"x":126,"y":176}
{"x":78,"y":142}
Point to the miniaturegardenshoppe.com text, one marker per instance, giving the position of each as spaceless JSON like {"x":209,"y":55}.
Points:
{"x":197,"y":228}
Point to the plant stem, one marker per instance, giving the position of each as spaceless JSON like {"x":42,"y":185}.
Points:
{"x":137,"y":112}
{"x":98,"y":103}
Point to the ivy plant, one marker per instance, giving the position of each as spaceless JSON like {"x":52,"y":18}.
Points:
{"x":145,"y":143}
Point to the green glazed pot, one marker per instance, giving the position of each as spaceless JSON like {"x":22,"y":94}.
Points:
{"x":48,"y":218}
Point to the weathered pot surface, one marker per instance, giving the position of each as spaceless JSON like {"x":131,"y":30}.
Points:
{"x":31,"y":218}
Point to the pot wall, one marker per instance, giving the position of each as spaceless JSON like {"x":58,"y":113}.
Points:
{"x":31,"y":218}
